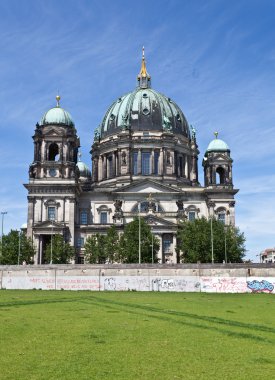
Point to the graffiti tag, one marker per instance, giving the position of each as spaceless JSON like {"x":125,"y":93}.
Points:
{"x":260,"y":286}
{"x":109,"y":284}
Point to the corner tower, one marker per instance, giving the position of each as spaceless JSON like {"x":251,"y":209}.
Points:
{"x":53,"y":179}
{"x":218,"y":181}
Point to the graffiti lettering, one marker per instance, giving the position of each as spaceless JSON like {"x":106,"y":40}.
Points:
{"x":260,"y":286}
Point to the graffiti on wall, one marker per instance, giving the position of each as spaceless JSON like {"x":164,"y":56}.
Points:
{"x":80,"y":280}
{"x":257,"y":286}
{"x":223,"y":284}
{"x":176,"y":284}
{"x":109,"y":283}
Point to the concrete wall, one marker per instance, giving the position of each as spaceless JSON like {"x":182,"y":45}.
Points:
{"x":217,"y":278}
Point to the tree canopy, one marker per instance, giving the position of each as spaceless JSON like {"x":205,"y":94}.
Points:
{"x":58,"y":251}
{"x":11,"y":252}
{"x":124,"y":249}
{"x":194,"y":242}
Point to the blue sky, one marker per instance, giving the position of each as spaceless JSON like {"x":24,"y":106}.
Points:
{"x":216,"y":59}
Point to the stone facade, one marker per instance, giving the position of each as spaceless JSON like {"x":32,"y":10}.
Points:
{"x":144,"y":163}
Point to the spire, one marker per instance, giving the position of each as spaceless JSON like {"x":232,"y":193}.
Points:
{"x":216,"y":134}
{"x":144,"y":78}
{"x":57,"y":100}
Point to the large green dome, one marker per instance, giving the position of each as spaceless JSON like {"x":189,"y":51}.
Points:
{"x":143,"y":109}
{"x":57,"y":115}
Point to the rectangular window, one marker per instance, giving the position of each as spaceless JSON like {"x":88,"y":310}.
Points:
{"x":80,"y":242}
{"x":83,"y":217}
{"x":191,"y":215}
{"x":135,"y":163}
{"x":145,"y":163}
{"x":156,"y":163}
{"x":221,"y":217}
{"x":167,"y":246}
{"x":51,"y":213}
{"x":103,"y":217}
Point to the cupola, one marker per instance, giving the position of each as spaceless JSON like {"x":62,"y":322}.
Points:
{"x":57,"y":115}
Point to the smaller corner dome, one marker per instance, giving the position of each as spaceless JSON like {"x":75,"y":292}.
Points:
{"x":217,"y":145}
{"x":57,"y":115}
{"x":84,"y":171}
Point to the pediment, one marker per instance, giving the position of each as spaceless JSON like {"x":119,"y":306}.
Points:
{"x":53,"y":132}
{"x":49,"y":224}
{"x":220,"y":157}
{"x":148,"y":186}
{"x":154,"y":220}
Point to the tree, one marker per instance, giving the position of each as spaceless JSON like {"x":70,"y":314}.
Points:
{"x":112,"y":244}
{"x":194,"y":241}
{"x":95,"y":249}
{"x":9,"y":249}
{"x":129,"y":243}
{"x":58,"y":251}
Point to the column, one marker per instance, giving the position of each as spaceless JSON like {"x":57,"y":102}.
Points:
{"x":40,"y":250}
{"x":213,"y":175}
{"x":63,"y":210}
{"x":95,"y":170}
{"x":152,"y":162}
{"x":72,"y":219}
{"x":100,"y":168}
{"x":164,"y":160}
{"x":129,"y":160}
{"x":161,"y":161}
{"x":230,"y":174}
{"x":139,"y":162}
{"x":194,"y":168}
{"x":160,"y":252}
{"x":114,"y":164}
{"x":104,"y":166}
{"x":41,"y":209}
{"x":232,"y":213}
{"x":173,"y":161}
{"x":174,"y":257}
{"x":119,"y":162}
{"x":186,"y":170}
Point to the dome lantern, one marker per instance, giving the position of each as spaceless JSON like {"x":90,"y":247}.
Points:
{"x":144,"y":79}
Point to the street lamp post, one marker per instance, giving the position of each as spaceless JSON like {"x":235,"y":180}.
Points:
{"x":152,"y":248}
{"x":212,"y":241}
{"x":139,"y":236}
{"x":3,"y":213}
{"x":52,"y":244}
{"x":19,"y":247}
{"x":225,"y":244}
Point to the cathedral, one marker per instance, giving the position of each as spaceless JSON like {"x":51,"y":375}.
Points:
{"x":144,"y":164}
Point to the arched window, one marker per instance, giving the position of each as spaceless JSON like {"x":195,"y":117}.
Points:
{"x":221,"y":215}
{"x":192,"y":212}
{"x":220,"y":176}
{"x":53,"y":152}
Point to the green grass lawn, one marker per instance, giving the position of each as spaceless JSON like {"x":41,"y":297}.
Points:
{"x":86,"y":335}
